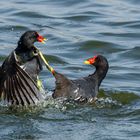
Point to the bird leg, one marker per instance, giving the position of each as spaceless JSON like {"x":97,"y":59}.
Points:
{"x":45,"y":61}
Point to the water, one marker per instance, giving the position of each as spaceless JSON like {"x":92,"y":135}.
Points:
{"x":77,"y":30}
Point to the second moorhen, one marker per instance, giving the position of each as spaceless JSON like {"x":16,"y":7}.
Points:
{"x":86,"y":88}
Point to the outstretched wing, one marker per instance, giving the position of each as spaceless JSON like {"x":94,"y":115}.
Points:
{"x":18,"y":88}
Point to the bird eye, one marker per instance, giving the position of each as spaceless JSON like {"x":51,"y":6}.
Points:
{"x":97,"y":58}
{"x":36,"y":34}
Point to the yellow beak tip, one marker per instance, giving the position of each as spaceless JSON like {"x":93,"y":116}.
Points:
{"x":43,"y":42}
{"x":86,"y":62}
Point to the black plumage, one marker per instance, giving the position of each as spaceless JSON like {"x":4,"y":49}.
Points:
{"x":83,"y":89}
{"x":19,"y":73}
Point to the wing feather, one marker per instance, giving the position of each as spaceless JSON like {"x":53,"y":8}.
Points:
{"x":19,"y":88}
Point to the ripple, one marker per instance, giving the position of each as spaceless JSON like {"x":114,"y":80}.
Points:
{"x":132,"y":24}
{"x":29,"y":14}
{"x":130,"y":35}
{"x":132,"y":53}
{"x":78,"y":18}
{"x":99,"y":46}
{"x":19,"y":28}
{"x":54,"y":59}
{"x":82,"y":16}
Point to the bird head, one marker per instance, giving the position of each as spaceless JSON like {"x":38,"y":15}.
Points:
{"x":97,"y":61}
{"x":28,"y":39}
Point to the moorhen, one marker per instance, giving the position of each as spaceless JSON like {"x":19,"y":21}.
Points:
{"x":86,"y":88}
{"x":19,"y":72}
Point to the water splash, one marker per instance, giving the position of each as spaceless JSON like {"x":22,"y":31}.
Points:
{"x":120,"y":96}
{"x":106,"y":99}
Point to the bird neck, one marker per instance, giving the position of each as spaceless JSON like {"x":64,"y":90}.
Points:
{"x":22,"y":48}
{"x":100,"y":73}
{"x":24,"y":53}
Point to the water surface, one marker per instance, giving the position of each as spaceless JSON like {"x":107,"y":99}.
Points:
{"x":77,"y":30}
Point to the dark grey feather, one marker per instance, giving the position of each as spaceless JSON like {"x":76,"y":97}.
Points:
{"x":19,"y":88}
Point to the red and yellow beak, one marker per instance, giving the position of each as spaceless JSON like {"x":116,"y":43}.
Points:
{"x":41,"y":39}
{"x":87,"y":62}
{"x":90,"y":61}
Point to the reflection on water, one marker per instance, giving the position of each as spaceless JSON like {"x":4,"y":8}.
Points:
{"x":77,"y":30}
